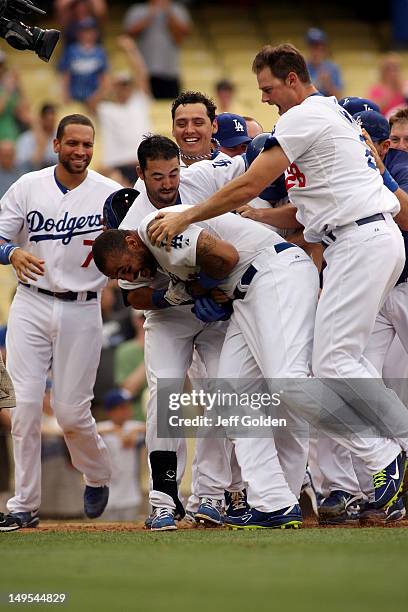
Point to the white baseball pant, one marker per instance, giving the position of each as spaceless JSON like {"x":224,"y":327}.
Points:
{"x":47,"y":333}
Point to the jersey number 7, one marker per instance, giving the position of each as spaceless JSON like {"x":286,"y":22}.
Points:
{"x":89,"y":257}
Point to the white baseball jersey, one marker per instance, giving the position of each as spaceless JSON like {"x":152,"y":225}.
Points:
{"x":332,"y":178}
{"x":249,"y":238}
{"x":57,"y":227}
{"x":197,"y":182}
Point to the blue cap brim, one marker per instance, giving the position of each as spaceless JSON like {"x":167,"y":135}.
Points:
{"x":233,"y":142}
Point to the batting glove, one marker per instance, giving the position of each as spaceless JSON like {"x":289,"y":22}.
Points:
{"x":208,"y":311}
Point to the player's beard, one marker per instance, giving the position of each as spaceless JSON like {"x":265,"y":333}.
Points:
{"x":70,"y":166}
{"x":160,"y":199}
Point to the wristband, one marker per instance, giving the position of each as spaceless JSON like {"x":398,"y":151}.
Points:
{"x":389,"y":181}
{"x":208,"y":282}
{"x":159,"y":300}
{"x":6,"y":250}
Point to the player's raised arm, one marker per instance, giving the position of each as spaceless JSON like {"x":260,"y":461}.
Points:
{"x":266,"y":168}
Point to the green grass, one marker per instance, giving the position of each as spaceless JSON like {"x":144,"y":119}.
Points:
{"x":338,"y":570}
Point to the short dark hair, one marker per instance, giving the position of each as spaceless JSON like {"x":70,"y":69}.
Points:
{"x":224,"y":84}
{"x":155,"y":146}
{"x":398,"y":117}
{"x":48,"y":107}
{"x":110,"y":242}
{"x":194,"y":97}
{"x":282,"y":60}
{"x":75,"y":119}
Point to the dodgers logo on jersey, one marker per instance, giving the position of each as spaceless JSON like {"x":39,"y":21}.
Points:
{"x":221,"y":163}
{"x":65,"y":228}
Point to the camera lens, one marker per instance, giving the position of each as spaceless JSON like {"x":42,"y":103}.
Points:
{"x":44,"y":42}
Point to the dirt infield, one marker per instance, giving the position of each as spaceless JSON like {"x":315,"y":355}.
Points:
{"x":98,"y":526}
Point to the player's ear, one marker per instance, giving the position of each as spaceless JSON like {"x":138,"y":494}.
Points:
{"x":386,"y":146}
{"x":214,"y":126}
{"x":139,"y":172}
{"x":132,"y":241}
{"x":55,"y":144}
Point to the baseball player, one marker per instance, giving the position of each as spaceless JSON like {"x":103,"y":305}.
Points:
{"x":344,"y":477}
{"x":279,"y":273}
{"x":194,"y":123}
{"x":340,"y":198}
{"x":48,"y":221}
{"x":178,"y":327}
{"x":232,"y":134}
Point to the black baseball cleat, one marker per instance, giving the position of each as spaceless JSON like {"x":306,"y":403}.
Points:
{"x":236,"y":503}
{"x":339,"y":507}
{"x":18,"y":520}
{"x":95,"y":500}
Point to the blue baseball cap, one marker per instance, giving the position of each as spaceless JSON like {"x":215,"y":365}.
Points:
{"x":375,"y":124}
{"x":115,"y":397}
{"x":354,"y":105}
{"x":232,"y":130}
{"x":315,"y":36}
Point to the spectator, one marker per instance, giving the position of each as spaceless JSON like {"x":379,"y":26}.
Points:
{"x":224,"y":95}
{"x":160,"y":26}
{"x":232,"y":134}
{"x":122,"y":435}
{"x":10,"y":171}
{"x":129,"y":368}
{"x":36,"y":146}
{"x":125,"y":119}
{"x":70,"y":13}
{"x":325,"y":74}
{"x":84,"y":65}
{"x":391,"y":91}
{"x":399,"y":130}
{"x":14,"y":110}
{"x":253,"y":127}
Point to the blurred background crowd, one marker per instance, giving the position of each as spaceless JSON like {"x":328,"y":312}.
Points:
{"x":122,"y":63}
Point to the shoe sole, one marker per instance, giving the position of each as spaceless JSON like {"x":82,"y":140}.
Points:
{"x":289,"y":525}
{"x":167,"y":528}
{"x":206,"y":521}
{"x":17,"y":527}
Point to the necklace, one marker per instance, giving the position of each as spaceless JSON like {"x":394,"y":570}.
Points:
{"x":196,"y":157}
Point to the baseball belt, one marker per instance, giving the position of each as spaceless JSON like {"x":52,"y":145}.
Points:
{"x":246,"y":279}
{"x":363,"y":221}
{"x":67,"y":296}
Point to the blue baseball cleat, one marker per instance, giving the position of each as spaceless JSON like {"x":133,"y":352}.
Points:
{"x":371,"y":515}
{"x":18,"y":520}
{"x":339,"y":507}
{"x":388,"y":483}
{"x":163,"y":520}
{"x":287,"y":518}
{"x":210,"y":512}
{"x":236,"y":503}
{"x":95,"y":500}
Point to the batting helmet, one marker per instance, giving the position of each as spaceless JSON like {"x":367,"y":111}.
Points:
{"x":117,"y":205}
{"x":275,"y":191}
{"x":355,"y":105}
